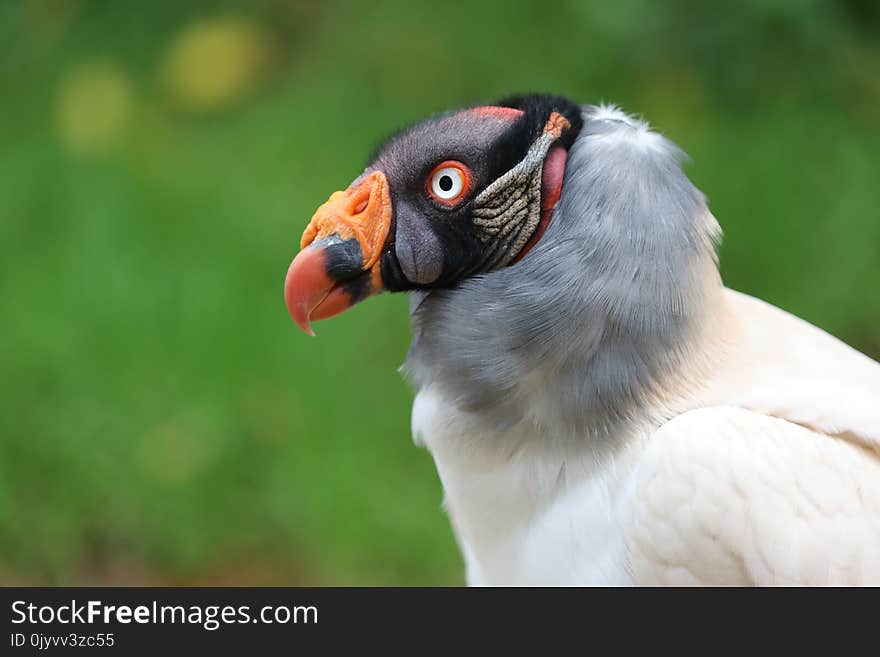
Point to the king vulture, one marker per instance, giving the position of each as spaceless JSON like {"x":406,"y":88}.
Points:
{"x":600,"y":408}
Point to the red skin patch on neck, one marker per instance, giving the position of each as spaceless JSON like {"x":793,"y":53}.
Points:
{"x":506,"y":113}
{"x":551,"y":190}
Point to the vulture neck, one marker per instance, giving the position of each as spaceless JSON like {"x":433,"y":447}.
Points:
{"x":610,"y":319}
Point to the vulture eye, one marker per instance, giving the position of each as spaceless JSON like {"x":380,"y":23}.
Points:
{"x":449,"y":182}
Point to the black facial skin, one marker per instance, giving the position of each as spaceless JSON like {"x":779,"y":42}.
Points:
{"x":437,"y":236}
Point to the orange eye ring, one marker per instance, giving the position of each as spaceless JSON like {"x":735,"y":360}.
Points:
{"x":449,"y":182}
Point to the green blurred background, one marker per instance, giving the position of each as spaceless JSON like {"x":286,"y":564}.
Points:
{"x":163,"y":422}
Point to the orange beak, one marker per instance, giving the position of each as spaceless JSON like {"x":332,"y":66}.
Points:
{"x":341,"y":248}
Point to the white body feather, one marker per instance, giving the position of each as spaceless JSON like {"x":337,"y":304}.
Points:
{"x":764,"y":470}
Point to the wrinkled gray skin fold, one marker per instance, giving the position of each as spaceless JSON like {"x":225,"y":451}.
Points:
{"x":602,"y":306}
{"x":508,"y":211}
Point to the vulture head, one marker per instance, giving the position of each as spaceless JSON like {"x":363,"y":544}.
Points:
{"x":541,"y":240}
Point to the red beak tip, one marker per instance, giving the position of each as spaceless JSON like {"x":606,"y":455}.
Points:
{"x":300,"y":314}
{"x":305,"y":286}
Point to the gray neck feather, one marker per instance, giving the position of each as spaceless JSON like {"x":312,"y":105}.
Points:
{"x":601,"y":315}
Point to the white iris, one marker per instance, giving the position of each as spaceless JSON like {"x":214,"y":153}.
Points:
{"x":447,"y":183}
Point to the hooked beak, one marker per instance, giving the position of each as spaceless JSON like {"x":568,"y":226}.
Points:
{"x":341,"y":248}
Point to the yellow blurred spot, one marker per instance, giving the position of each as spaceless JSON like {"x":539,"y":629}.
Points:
{"x":215,"y":62}
{"x":94,"y":107}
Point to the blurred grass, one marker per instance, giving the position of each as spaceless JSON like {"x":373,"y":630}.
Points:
{"x":161,"y":419}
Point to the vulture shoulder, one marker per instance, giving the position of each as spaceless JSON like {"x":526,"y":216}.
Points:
{"x":774,"y":476}
{"x":728,"y":496}
{"x":781,"y":366}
